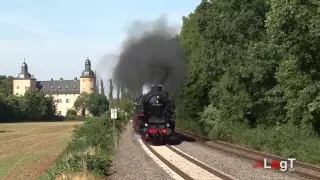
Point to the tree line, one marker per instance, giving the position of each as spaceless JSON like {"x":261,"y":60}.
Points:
{"x":253,"y":66}
{"x":32,"y":106}
{"x":38,"y":106}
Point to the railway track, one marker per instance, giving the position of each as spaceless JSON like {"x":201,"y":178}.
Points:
{"x":186,"y":166}
{"x":302,"y":169}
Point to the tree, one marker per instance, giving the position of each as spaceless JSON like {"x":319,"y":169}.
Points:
{"x":6,"y":84}
{"x":97,"y":104}
{"x":125,"y":94}
{"x":110,"y":89}
{"x":33,"y":106}
{"x":101,"y":87}
{"x":228,"y":65}
{"x":192,"y":97}
{"x":81,"y":103}
{"x":295,"y":25}
{"x":121,"y":91}
{"x":118,"y":92}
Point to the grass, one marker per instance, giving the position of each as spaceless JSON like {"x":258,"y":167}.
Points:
{"x":284,"y":140}
{"x":27,"y":149}
{"x":89,"y":154}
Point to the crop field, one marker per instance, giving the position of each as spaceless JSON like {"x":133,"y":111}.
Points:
{"x":28,"y":149}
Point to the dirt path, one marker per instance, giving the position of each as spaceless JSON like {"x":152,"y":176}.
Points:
{"x":28,"y":149}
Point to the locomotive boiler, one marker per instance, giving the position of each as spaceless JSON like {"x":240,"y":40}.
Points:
{"x":153,"y":116}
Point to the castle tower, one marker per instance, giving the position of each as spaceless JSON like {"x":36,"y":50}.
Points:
{"x":88,"y":79}
{"x":24,"y":81}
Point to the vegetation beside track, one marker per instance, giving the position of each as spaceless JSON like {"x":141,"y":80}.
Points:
{"x":254,"y":75}
{"x":90,"y":152}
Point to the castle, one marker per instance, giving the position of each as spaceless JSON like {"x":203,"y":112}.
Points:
{"x":65,"y":92}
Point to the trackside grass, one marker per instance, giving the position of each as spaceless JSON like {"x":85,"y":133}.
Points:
{"x":89,"y":154}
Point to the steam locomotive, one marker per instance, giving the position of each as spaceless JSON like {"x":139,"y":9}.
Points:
{"x":153,"y":115}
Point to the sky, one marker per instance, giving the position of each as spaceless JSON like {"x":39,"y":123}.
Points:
{"x":56,"y":37}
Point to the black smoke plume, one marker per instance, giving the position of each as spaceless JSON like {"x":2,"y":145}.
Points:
{"x":151,"y":55}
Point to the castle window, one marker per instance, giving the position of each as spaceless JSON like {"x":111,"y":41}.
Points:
{"x":43,"y":88}
{"x":90,"y":79}
{"x":74,"y":87}
{"x":67,"y":100}
{"x":18,"y":87}
{"x":17,"y":94}
{"x":66,"y":87}
{"x":59,"y":113}
{"x":59,"y":101}
{"x":82,"y":79}
{"x":91,"y":88}
{"x":51,"y":87}
{"x":59,"y":87}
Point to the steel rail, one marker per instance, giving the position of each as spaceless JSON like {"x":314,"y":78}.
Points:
{"x":169,"y":164}
{"x":202,"y":165}
{"x":195,"y":162}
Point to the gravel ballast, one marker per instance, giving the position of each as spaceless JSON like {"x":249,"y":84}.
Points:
{"x":133,"y":163}
{"x":237,"y":167}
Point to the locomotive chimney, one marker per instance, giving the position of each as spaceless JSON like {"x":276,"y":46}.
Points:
{"x":156,"y":87}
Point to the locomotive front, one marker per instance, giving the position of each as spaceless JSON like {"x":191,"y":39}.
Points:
{"x":156,"y":121}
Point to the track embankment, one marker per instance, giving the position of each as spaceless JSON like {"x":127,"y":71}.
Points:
{"x":186,"y":166}
{"x":187,"y":159}
{"x":132,"y":162}
{"x":209,"y":151}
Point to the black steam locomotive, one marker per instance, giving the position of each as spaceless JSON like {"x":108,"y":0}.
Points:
{"x":153,"y":115}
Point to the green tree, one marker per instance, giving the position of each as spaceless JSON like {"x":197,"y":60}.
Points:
{"x":101,"y":87}
{"x":125,"y":94}
{"x":118,"y":91}
{"x":110,"y":90}
{"x":81,"y":103}
{"x":193,"y":95}
{"x":97,"y":104}
{"x":6,"y":84}
{"x":294,"y":24}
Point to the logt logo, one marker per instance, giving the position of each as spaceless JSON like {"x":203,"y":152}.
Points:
{"x":282,"y":165}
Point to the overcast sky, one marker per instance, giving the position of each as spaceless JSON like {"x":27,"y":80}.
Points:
{"x":56,"y":37}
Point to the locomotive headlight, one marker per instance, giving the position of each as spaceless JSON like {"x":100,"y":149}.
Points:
{"x":146,"y":124}
{"x":168,"y":125}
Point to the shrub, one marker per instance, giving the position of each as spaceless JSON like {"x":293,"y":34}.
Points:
{"x":90,"y":149}
{"x":71,"y":112}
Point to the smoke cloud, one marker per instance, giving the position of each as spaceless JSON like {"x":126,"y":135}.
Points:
{"x":108,"y":60}
{"x":150,"y":55}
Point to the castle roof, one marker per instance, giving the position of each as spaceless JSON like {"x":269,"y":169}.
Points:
{"x":60,"y":86}
{"x":87,"y":72}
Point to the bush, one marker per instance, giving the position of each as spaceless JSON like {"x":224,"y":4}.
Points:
{"x":285,"y":140}
{"x":90,"y":150}
{"x":71,"y":112}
